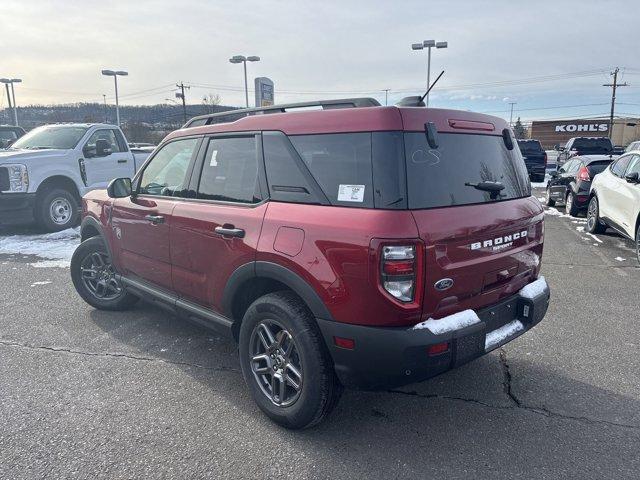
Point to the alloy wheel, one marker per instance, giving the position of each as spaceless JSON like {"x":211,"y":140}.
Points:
{"x":568,"y":203}
{"x":275,"y":363}
{"x":60,"y":211}
{"x":592,"y":214}
{"x":99,"y":277}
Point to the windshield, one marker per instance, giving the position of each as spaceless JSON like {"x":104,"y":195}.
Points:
{"x":588,"y":146}
{"x":62,"y":137}
{"x":530,"y":146}
{"x":463,"y":170}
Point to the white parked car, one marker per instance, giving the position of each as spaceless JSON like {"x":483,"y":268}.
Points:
{"x":44,"y":174}
{"x":615,"y":199}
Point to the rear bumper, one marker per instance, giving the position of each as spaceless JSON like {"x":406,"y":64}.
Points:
{"x":16,"y":208}
{"x":390,"y":357}
{"x":536,"y":169}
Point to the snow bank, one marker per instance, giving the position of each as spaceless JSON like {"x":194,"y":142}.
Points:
{"x":534,"y":289}
{"x":500,"y":334}
{"x":56,"y":247}
{"x":450,"y":323}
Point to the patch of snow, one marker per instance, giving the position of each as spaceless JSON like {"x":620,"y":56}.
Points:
{"x":534,"y":289}
{"x":44,"y":282}
{"x":498,"y":335}
{"x":450,"y":323}
{"x":620,"y":259}
{"x":556,"y":213}
{"x":580,"y":229}
{"x":50,"y":263}
{"x":56,"y":247}
{"x":594,"y":237}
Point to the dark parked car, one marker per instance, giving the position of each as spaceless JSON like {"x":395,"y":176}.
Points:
{"x":535,"y":158}
{"x":571,"y":183}
{"x":584,"y":146}
{"x":9,"y":134}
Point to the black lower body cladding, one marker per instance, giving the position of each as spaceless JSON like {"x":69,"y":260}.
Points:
{"x":16,"y":208}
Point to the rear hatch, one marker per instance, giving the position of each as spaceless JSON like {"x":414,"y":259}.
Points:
{"x":488,"y":243}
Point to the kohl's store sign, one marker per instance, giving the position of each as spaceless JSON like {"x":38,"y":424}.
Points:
{"x":582,"y":127}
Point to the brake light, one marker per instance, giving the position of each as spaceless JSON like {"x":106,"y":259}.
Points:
{"x":399,"y":271}
{"x":583,"y":174}
{"x":545,"y":159}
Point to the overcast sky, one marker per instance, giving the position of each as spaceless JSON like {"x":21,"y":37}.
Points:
{"x":327,"y":49}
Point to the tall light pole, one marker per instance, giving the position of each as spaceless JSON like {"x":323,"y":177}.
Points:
{"x":428,"y":44}
{"x":242,"y":59}
{"x":115,"y":74}
{"x":12,"y":95}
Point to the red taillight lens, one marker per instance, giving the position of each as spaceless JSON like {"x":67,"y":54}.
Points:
{"x":347,"y":343}
{"x":583,"y":174}
{"x":398,"y":271}
{"x":438,"y":348}
{"x":545,"y":159}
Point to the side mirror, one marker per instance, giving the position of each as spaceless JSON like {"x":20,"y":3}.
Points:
{"x":560,"y":148}
{"x":556,"y":147}
{"x":9,"y":142}
{"x":103,"y":148}
{"x":119,"y":188}
{"x":554,"y":174}
{"x":633,"y":177}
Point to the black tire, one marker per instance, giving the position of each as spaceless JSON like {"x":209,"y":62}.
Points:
{"x":594,"y":225}
{"x":319,"y":389}
{"x":549,"y":202}
{"x":570,"y":205}
{"x":638,"y":244}
{"x":115,"y":300}
{"x":57,"y":210}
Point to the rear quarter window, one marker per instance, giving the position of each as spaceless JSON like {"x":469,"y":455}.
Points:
{"x":438,"y":177}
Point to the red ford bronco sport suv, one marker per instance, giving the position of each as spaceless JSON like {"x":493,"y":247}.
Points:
{"x":351,"y":245}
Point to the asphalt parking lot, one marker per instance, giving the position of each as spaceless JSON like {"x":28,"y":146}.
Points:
{"x":140,"y":394}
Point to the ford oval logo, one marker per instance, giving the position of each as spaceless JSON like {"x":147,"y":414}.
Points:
{"x":443,"y":284}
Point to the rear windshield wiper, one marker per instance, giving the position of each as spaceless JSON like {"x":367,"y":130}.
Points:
{"x":494,"y":188}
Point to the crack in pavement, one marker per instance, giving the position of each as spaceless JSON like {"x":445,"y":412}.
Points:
{"x":9,"y":343}
{"x":517,"y":403}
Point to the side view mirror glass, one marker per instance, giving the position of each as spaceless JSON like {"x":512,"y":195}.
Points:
{"x":633,"y":177}
{"x":119,"y":188}
{"x":103,"y":148}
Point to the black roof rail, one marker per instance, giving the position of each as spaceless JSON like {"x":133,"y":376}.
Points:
{"x":282,"y":108}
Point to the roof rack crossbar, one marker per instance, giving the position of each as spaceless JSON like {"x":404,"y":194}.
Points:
{"x":282,"y":108}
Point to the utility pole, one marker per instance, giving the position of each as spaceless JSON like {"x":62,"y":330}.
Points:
{"x":386,"y":96}
{"x":6,"y":84}
{"x":511,"y":114}
{"x":104,"y":99}
{"x":614,"y":86}
{"x":181,"y":86}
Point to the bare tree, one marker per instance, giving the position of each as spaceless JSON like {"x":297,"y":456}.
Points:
{"x":211,"y":100}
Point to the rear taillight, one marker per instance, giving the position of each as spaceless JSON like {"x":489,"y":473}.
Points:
{"x":583,"y":174}
{"x":545,"y":159}
{"x":398,"y":271}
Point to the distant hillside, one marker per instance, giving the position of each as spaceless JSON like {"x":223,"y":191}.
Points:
{"x":141,"y":123}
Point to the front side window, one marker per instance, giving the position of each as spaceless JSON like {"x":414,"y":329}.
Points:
{"x":51,"y":137}
{"x":620,"y":166}
{"x":230,"y":171}
{"x":104,"y":139}
{"x":167,"y":171}
{"x":634,"y":165}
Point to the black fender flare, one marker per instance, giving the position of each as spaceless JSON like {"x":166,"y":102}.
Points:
{"x":91,"y":222}
{"x":276,"y":272}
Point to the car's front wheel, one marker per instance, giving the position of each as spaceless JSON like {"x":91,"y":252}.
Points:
{"x":95,"y":278}
{"x":570,"y":205}
{"x":594,"y":225}
{"x":285,"y":362}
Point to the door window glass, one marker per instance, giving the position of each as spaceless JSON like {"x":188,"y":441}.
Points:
{"x":619,"y":167}
{"x":230,"y":171}
{"x":107,"y":136}
{"x":166,"y":172}
{"x":634,"y":165}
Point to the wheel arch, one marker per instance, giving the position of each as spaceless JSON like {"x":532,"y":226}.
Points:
{"x":89,"y":228}
{"x":253,"y":280}
{"x":58,"y":181}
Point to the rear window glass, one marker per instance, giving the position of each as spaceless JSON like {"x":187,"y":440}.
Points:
{"x":341,"y":164}
{"x":530,"y":147}
{"x":597,"y":167}
{"x":592,"y":145}
{"x":439,"y":177}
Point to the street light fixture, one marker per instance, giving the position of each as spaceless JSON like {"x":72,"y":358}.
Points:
{"x":7,"y":82}
{"x":242,"y":59}
{"x":428,"y":44}
{"x":115,"y":74}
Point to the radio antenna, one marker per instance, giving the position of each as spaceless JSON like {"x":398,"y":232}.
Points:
{"x":431,"y":86}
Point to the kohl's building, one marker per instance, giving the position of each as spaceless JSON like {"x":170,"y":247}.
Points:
{"x":554,"y":132}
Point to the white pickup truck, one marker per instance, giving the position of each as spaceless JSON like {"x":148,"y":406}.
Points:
{"x":44,"y":174}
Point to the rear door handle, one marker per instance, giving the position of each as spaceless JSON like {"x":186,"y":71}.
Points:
{"x":155,"y":219}
{"x":230,"y":231}
{"x":122,"y":160}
